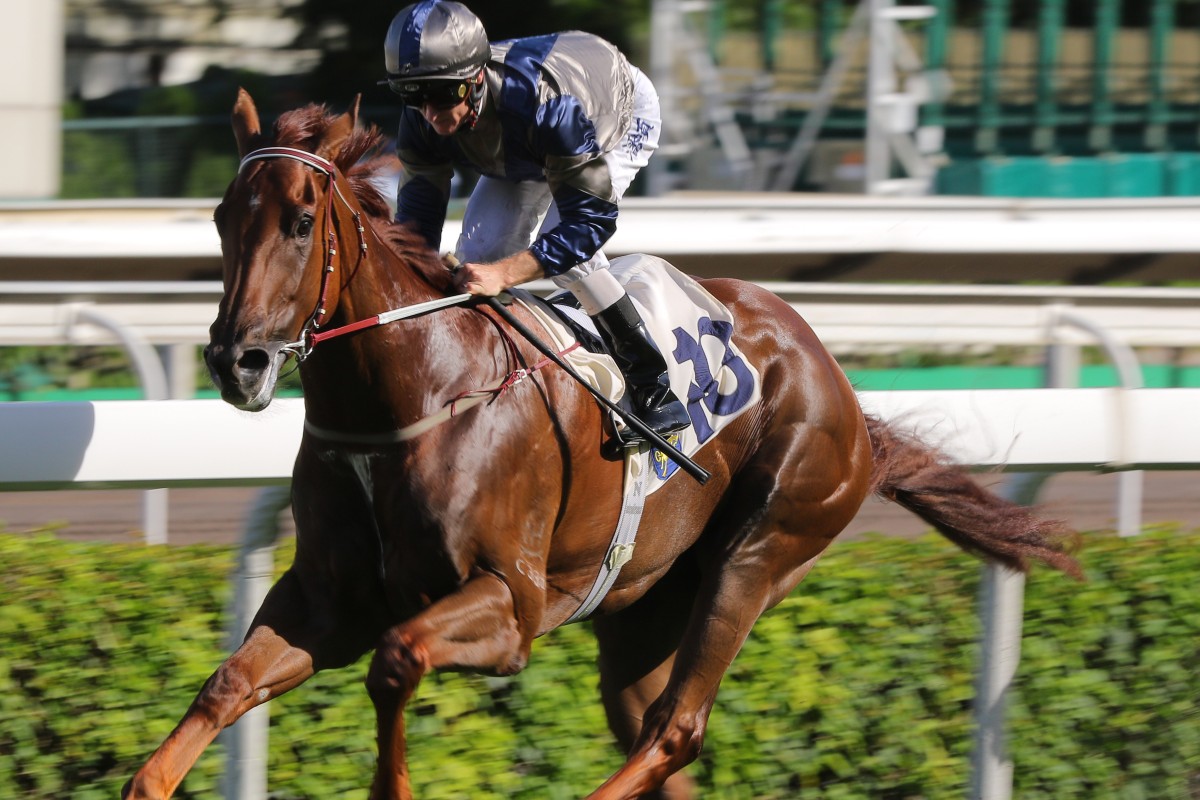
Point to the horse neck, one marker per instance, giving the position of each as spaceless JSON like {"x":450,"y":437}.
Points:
{"x":343,"y":379}
{"x":374,"y":278}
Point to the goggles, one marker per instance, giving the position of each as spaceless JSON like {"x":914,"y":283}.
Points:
{"x":439,"y":93}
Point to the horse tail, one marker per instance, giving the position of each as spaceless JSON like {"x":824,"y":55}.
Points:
{"x":923,"y":480}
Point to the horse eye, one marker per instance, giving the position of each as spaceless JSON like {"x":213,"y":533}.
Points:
{"x":304,"y":226}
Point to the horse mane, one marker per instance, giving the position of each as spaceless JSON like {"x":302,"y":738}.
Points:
{"x":364,"y":160}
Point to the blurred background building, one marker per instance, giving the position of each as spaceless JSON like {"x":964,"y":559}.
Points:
{"x":30,"y":88}
{"x":1059,"y":98}
{"x":113,"y":47}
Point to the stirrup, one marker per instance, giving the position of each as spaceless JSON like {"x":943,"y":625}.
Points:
{"x":629,"y":437}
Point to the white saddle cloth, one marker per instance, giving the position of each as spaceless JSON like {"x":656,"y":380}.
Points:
{"x":693,"y":330}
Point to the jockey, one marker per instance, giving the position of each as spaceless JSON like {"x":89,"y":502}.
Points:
{"x":556,"y":125}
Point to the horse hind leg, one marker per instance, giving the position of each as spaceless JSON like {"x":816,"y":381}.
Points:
{"x":266,"y":665}
{"x":637,"y":648}
{"x":727,"y":605}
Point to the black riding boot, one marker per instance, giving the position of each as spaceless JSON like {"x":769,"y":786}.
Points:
{"x":644,"y":369}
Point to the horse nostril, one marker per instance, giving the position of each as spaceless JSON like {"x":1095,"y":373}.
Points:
{"x":217,"y":357}
{"x":254,"y":360}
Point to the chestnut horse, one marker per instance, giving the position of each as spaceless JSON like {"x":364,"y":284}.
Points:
{"x":455,"y":547}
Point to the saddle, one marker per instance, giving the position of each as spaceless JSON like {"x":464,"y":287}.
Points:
{"x":691,"y":328}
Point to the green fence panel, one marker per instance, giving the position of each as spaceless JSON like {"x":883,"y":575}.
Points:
{"x":1183,"y":174}
{"x":1118,"y":175}
{"x":1076,"y":177}
{"x":959,"y":177}
{"x":1015,"y":177}
{"x":1154,"y":376}
{"x":1136,"y":175}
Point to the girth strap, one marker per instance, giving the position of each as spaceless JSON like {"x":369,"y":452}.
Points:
{"x":620,"y":549}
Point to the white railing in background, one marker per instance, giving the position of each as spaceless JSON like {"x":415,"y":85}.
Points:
{"x":176,"y":443}
{"x":738,"y":224}
{"x":847,"y":316}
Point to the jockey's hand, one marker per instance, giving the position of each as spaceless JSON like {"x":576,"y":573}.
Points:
{"x":491,"y":279}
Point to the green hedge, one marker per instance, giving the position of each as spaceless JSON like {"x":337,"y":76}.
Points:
{"x":858,"y":686}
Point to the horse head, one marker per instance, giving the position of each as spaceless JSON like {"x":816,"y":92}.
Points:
{"x":278,"y":229}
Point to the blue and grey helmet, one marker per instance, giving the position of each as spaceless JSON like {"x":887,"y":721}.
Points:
{"x":435,"y":39}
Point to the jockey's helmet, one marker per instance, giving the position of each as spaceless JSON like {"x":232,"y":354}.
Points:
{"x":435,"y":39}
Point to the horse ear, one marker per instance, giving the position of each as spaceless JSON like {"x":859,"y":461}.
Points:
{"x":246,"y":127}
{"x":338,"y":132}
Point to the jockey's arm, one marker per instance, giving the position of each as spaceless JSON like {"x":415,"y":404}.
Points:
{"x":583,"y":193}
{"x":423,"y":193}
{"x":585,"y":223}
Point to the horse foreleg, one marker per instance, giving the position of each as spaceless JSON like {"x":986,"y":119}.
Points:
{"x":265,"y":666}
{"x":474,"y":628}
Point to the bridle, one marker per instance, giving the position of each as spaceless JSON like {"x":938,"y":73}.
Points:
{"x":309,"y":332}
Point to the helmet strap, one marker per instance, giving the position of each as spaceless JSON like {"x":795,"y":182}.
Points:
{"x":475,"y":100}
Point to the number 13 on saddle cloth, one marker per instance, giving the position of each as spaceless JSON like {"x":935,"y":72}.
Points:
{"x":693,"y":331}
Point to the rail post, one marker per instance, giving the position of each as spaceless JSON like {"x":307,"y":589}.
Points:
{"x":153,"y":379}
